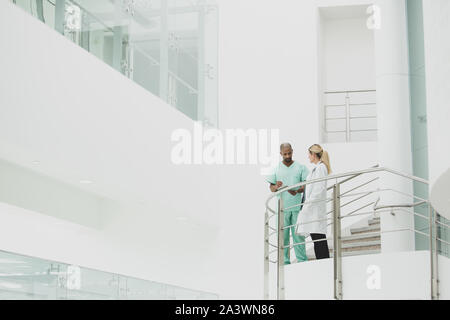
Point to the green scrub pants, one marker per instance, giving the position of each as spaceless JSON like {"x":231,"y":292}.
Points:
{"x":290,"y":219}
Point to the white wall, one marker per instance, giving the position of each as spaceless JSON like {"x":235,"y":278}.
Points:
{"x":268,"y":79}
{"x":26,"y":189}
{"x":348,"y":55}
{"x":395,"y":271}
{"x":346,"y":62}
{"x":437,"y":50}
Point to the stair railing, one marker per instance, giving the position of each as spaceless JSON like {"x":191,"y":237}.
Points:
{"x":336,"y":219}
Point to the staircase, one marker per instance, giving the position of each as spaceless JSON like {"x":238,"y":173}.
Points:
{"x":363,"y":240}
{"x":358,"y":236}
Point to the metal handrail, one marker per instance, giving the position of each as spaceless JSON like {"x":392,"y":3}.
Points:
{"x":350,"y":91}
{"x":331,"y":238}
{"x":381,"y":232}
{"x":336,"y":219}
{"x":343,"y":175}
{"x":361,"y":185}
{"x":385,"y":207}
{"x":347,"y":117}
{"x":352,"y":177}
{"x":405,"y":205}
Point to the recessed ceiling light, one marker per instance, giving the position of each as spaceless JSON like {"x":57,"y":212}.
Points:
{"x":85,"y":181}
{"x":36,"y":162}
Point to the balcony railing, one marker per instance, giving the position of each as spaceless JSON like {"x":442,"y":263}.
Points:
{"x":169,"y":47}
{"x":23,"y":277}
{"x":436,"y":230}
{"x":350,"y":116}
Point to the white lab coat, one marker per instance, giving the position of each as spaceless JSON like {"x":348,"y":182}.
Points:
{"x":316,"y":210}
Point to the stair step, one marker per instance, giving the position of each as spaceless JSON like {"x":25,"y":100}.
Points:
{"x":365,"y":229}
{"x":374,"y":221}
{"x":362,"y":248}
{"x":351,"y":253}
{"x":360,"y":252}
{"x":369,"y":236}
{"x":361,"y":244}
{"x":368,"y":245}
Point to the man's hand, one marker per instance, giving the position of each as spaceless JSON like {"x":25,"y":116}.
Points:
{"x":293,"y":192}
{"x":274,"y":187}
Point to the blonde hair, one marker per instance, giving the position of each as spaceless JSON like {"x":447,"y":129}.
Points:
{"x":322,"y":155}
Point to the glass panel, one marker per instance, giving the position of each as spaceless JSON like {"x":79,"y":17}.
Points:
{"x":143,"y":290}
{"x":169,"y":47}
{"x":209,"y":100}
{"x":443,"y":234}
{"x":177,"y":293}
{"x":146,"y":65}
{"x":93,"y":285}
{"x":184,"y":44}
{"x":26,"y":278}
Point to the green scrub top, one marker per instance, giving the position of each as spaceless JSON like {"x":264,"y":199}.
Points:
{"x":291,"y":175}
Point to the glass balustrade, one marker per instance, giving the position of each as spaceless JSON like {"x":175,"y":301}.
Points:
{"x":169,"y":47}
{"x":28,"y":278}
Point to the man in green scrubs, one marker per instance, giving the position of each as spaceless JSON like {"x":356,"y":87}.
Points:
{"x":288,"y":173}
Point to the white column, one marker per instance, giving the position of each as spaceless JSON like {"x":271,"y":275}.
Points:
{"x":394,"y":135}
{"x":437,"y":51}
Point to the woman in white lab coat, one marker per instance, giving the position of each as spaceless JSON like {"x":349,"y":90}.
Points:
{"x":317,"y":210}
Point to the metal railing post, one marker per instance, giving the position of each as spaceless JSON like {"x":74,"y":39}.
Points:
{"x":280,"y":250}
{"x":347,"y":116}
{"x":266,"y":255}
{"x":433,"y":254}
{"x":337,"y":238}
{"x":337,"y":254}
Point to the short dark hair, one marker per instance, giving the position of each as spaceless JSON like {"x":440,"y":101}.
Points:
{"x":285,"y":145}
